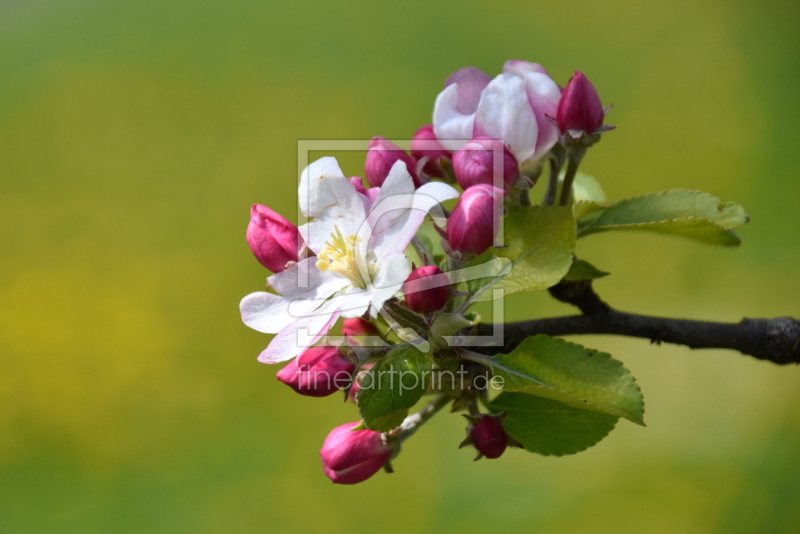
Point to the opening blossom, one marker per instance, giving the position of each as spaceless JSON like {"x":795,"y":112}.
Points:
{"x":359,"y":242}
{"x":515,"y":107}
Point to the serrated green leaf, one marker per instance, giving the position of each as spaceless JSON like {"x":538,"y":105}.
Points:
{"x":539,"y":242}
{"x":549,"y":427}
{"x":583,"y":270}
{"x":681,"y":212}
{"x":588,"y":197}
{"x":392,"y":386}
{"x":583,"y":208}
{"x":570,"y":373}
{"x":586,"y":189}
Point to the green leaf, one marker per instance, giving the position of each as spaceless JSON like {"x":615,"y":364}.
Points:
{"x":682,"y":212}
{"x":570,"y":373}
{"x":549,"y":427}
{"x":392,"y":386}
{"x":588,"y":196}
{"x":586,"y":189}
{"x":446,"y":325}
{"x":540,"y":241}
{"x":583,"y":270}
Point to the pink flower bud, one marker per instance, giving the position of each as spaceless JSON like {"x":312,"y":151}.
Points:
{"x":475,"y":220}
{"x":426,"y":289}
{"x":474,"y":163}
{"x":489,"y":437}
{"x":358,"y":184}
{"x":352,"y":456}
{"x":273,"y":240}
{"x":425,"y":144}
{"x":317,"y":372}
{"x":580,"y":107}
{"x":381,"y":155}
{"x":359,"y":327}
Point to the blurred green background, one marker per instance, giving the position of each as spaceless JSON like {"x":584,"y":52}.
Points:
{"x":134,"y":135}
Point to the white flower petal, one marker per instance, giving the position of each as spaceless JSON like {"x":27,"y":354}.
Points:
{"x":399,"y":211}
{"x":505,"y":113}
{"x":318,"y":231}
{"x":298,"y":336}
{"x":452,"y":128}
{"x":322,"y":184}
{"x":437,"y":191}
{"x":265,"y":312}
{"x":304,"y":281}
{"x":394,"y":269}
{"x":543,"y":96}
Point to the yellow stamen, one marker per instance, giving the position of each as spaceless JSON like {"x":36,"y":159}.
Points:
{"x":339,"y":256}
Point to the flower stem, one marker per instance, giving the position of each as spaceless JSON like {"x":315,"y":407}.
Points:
{"x":412,"y":423}
{"x":556,"y":160}
{"x":422,"y":251}
{"x":574,"y":159}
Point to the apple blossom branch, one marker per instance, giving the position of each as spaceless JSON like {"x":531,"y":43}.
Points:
{"x":775,"y":340}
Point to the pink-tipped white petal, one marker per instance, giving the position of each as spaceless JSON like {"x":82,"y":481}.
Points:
{"x":451,"y":127}
{"x":505,"y":113}
{"x":520,"y":68}
{"x":543,"y":96}
{"x":471,"y":82}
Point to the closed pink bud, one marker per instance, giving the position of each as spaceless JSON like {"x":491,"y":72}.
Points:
{"x":381,"y":155}
{"x":474,"y":163}
{"x":273,"y":240}
{"x":359,"y":327}
{"x":358,"y":184}
{"x":580,"y":107}
{"x":426,"y":144}
{"x":318,"y":372}
{"x":474,"y":222}
{"x":352,"y":456}
{"x":426,"y":289}
{"x":489,"y":437}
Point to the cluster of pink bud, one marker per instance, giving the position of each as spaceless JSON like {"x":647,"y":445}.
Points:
{"x":492,"y":135}
{"x":580,"y":108}
{"x":273,"y":240}
{"x":426,"y":145}
{"x":352,"y":456}
{"x":359,"y":327}
{"x":475,"y":221}
{"x":318,"y":372}
{"x":489,"y":437}
{"x":485,"y":160}
{"x":426,"y":289}
{"x":382,"y":154}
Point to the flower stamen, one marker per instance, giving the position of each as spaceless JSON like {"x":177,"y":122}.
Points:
{"x":339,"y":256}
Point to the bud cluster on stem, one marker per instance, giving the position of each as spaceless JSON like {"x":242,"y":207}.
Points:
{"x":489,"y":136}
